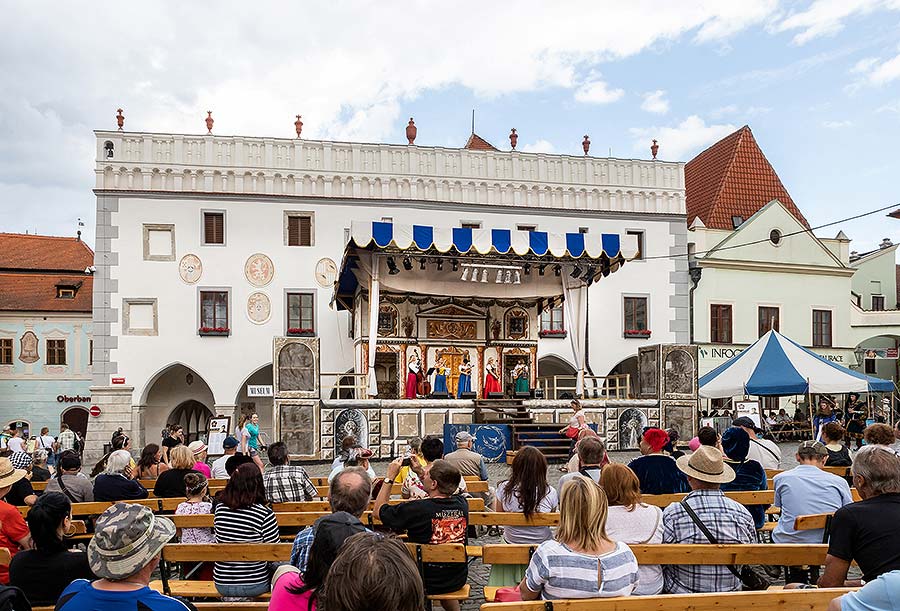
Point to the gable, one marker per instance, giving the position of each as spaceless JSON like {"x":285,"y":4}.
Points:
{"x":451,"y":311}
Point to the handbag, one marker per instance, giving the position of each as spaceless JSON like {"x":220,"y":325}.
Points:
{"x":750,"y":579}
{"x":508,"y":594}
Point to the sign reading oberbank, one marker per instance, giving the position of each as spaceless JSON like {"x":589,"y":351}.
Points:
{"x":713,"y":355}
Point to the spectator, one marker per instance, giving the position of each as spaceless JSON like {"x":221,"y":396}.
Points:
{"x":242,"y":516}
{"x":582,"y":561}
{"x":46,"y":570}
{"x":123,"y":552}
{"x":293,"y":590}
{"x":707,"y":436}
{"x":196,"y":493}
{"x":284,"y":482}
{"x":39,"y":470}
{"x":412,"y":487}
{"x":173,"y":440}
{"x":878,"y":595}
{"x":150,"y":464}
{"x":879,"y":434}
{"x":69,"y":480}
{"x":442,"y":517}
{"x":693,"y":444}
{"x":16,"y":443}
{"x":470,"y":463}
{"x":526,"y":491}
{"x":574,"y":463}
{"x":632,"y":522}
{"x":250,"y":444}
{"x":672,"y":447}
{"x":414,"y":448}
{"x":170,"y":483}
{"x":373,"y":572}
{"x":749,"y":475}
{"x":591,"y":453}
{"x":21,"y":492}
{"x":66,"y":441}
{"x":115,"y":484}
{"x":46,"y":442}
{"x":13,"y":531}
{"x":229,"y":446}
{"x":657,"y":472}
{"x":838,"y":454}
{"x":347,"y":443}
{"x":356,"y":456}
{"x":805,"y":490}
{"x":119,"y":442}
{"x":727,"y":521}
{"x":198,"y":449}
{"x":236,"y":461}
{"x":349,"y":492}
{"x":764,"y":451}
{"x":867,"y":531}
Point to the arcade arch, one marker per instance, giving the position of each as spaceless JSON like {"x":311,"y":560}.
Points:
{"x":176,"y":391}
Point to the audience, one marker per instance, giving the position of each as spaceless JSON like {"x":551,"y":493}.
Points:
{"x":115,"y":484}
{"x":119,"y":442}
{"x":575,"y":464}
{"x":45,"y":441}
{"x":170,"y":483}
{"x":441,"y":517}
{"x":373,"y":572}
{"x":242,"y":516}
{"x":14,"y":533}
{"x":412,"y":487}
{"x":43,"y":572}
{"x":21,"y":492}
{"x":866,"y":532}
{"x":284,"y":482}
{"x":150,"y":464}
{"x":197,"y":502}
{"x":707,"y":436}
{"x":347,"y":443}
{"x":357,"y":456}
{"x":764,"y":451}
{"x":39,"y":470}
{"x":726,"y":520}
{"x":581,"y":561}
{"x":590,"y":454}
{"x":414,"y":447}
{"x":123,"y":553}
{"x":229,"y":446}
{"x":632,"y":522}
{"x":69,"y":480}
{"x":236,"y":461}
{"x":657,"y":472}
{"x":672,"y":447}
{"x":526,"y":491}
{"x":839,"y":455}
{"x":199,"y":450}
{"x":349,"y":493}
{"x":879,"y":434}
{"x":470,"y":463}
{"x":749,"y":475}
{"x":878,"y":595}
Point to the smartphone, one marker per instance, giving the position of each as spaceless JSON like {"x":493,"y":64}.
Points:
{"x":406,"y":460}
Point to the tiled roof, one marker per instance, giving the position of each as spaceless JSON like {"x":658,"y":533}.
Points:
{"x":477,"y":143}
{"x":733,"y":178}
{"x":31,"y":292}
{"x":40,"y":252}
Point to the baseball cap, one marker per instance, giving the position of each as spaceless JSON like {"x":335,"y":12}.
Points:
{"x":746,"y":422}
{"x":463,"y":437}
{"x":230,"y":442}
{"x":817,"y":446}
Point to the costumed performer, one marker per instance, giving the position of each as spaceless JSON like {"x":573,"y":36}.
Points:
{"x":440,"y":378}
{"x":520,"y":375}
{"x":464,"y":384}
{"x":491,"y":378}
{"x":412,"y":376}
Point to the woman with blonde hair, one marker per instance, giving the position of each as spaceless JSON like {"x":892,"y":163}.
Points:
{"x":631,"y":521}
{"x":581,"y":561}
{"x":170,"y":484}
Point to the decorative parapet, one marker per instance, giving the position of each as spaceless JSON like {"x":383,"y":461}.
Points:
{"x":128,"y":161}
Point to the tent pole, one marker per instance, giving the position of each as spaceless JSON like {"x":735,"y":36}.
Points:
{"x":809,"y":404}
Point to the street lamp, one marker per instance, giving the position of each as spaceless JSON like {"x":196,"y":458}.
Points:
{"x":860,"y":354}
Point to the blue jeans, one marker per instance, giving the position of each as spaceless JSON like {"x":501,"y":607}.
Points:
{"x":242,"y":590}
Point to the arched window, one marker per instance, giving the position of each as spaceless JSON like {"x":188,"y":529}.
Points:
{"x":193,"y":416}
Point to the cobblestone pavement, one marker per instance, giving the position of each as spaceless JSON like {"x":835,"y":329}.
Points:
{"x":479,"y":573}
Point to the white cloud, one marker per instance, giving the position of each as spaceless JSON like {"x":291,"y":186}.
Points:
{"x":886,"y":71}
{"x":681,"y":141}
{"x":655,"y":102}
{"x":539,"y":146}
{"x":875,"y":72}
{"x":836,"y":124}
{"x":890,"y":107}
{"x":864,"y":65}
{"x":598,"y":92}
{"x":827,"y":17}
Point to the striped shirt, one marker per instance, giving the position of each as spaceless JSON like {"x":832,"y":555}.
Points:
{"x":255,"y":524}
{"x":558,"y":572}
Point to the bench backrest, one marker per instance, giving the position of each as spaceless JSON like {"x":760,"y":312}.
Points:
{"x":281,"y":552}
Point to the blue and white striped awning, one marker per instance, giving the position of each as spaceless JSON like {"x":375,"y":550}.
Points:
{"x":375,"y":235}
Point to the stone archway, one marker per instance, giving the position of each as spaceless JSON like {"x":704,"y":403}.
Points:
{"x":173,"y":386}
{"x":193,"y":416}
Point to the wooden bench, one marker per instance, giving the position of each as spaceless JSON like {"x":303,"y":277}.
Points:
{"x":839,"y":471}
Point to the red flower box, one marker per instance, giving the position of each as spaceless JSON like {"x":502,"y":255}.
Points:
{"x":214,"y":330}
{"x":637,"y":332}
{"x":552,"y":333}
{"x":299,"y":331}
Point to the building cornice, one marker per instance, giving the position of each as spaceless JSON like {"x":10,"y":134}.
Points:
{"x":763,"y":266}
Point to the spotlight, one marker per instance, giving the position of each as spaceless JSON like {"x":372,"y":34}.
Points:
{"x":455,"y":264}
{"x":422,"y":262}
{"x":527,"y":269}
{"x":576,"y":271}
{"x":484,"y":275}
{"x":541,"y":268}
{"x":557,"y":269}
{"x":392,"y":266}
{"x":591,"y":270}
{"x":407,"y":263}
{"x":440,"y":265}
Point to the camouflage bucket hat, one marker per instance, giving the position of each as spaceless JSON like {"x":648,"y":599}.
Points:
{"x":127,"y":537}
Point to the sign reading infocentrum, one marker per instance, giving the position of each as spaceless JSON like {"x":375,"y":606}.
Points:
{"x":713,"y":352}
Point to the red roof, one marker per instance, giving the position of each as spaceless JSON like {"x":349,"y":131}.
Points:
{"x":40,"y":252}
{"x":733,"y":178}
{"x":28,"y":292}
{"x":477,"y":143}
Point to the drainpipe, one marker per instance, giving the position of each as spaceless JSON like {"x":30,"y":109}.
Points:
{"x":695,"y":271}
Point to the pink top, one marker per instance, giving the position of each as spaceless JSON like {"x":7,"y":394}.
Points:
{"x":195,"y":535}
{"x":203,"y":468}
{"x":282,"y":600}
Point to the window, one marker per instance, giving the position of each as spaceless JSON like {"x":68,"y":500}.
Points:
{"x":214,"y":312}
{"x":6,"y":351}
{"x":56,"y":352}
{"x":720,"y":324}
{"x":775,"y":237}
{"x":583,"y":230}
{"x":737,"y":221}
{"x":878,"y":302}
{"x":301,"y":313}
{"x":65,"y":292}
{"x":159,"y":242}
{"x":635,"y":314}
{"x":214,"y":228}
{"x":552,"y":321}
{"x":870,"y":367}
{"x":768,"y":319}
{"x":821,"y":328}
{"x":640,"y":243}
{"x":470,"y":224}
{"x":526,"y":227}
{"x":90,"y":352}
{"x":139,"y":316}
{"x":299,"y":230}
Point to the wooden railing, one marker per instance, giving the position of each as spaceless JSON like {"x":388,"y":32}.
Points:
{"x":345,"y":386}
{"x":616,"y":386}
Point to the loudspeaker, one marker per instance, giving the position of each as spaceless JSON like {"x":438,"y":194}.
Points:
{"x":523,"y":395}
{"x":495,"y":395}
{"x":467,"y":395}
{"x":538,"y":393}
{"x":436,"y":395}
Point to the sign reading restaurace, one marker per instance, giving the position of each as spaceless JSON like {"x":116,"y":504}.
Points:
{"x":259,"y":390}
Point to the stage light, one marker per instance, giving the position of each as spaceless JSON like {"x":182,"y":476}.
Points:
{"x":455,"y":264}
{"x":541,"y":268}
{"x":440,"y":265}
{"x":576,"y":271}
{"x":407,"y":263}
{"x":557,"y":270}
{"x":422,"y":262}
{"x":591,"y":270}
{"x":392,"y":266}
{"x":527,"y":269}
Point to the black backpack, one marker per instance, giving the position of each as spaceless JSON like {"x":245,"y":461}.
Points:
{"x":13,"y":599}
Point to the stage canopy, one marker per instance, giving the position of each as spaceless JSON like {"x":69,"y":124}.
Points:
{"x":777,"y":366}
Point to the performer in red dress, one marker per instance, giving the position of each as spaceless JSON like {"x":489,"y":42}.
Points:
{"x":412,"y":377}
{"x":491,"y":378}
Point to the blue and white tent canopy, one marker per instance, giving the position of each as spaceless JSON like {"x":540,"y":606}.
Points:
{"x":777,"y":366}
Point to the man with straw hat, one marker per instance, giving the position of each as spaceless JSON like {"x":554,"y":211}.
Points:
{"x":705,"y":508}
{"x":124,"y":552}
{"x":14,"y":534}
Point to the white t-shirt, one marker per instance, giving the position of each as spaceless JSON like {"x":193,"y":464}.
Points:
{"x":526,"y":535}
{"x":642,"y":525}
{"x":217,"y":470}
{"x":759,"y":451}
{"x":45,"y":442}
{"x":16,"y":444}
{"x":573,"y":421}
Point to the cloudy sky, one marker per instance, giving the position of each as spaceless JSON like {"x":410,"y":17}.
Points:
{"x":818,"y":81}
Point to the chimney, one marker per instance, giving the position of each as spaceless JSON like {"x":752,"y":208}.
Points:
{"x":886,"y":243}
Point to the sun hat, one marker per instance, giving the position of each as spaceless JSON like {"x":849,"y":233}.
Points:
{"x":9,"y":475}
{"x":706,"y":465}
{"x":126,"y":539}
{"x":20,"y":460}
{"x":197,"y":447}
{"x":656,"y":439}
{"x":464,"y":437}
{"x":736,"y":443}
{"x":230,"y":442}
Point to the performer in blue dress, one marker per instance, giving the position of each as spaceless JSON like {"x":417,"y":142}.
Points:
{"x":465,"y":378}
{"x":440,"y":378}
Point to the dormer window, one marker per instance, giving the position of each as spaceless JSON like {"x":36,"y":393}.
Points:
{"x":67,"y":290}
{"x":737,"y":221}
